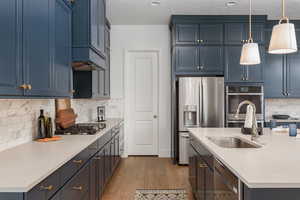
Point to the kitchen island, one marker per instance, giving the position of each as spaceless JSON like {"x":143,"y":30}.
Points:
{"x":270,"y":170}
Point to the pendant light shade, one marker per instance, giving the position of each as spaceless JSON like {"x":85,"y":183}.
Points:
{"x":250,"y":51}
{"x":250,"y":54}
{"x":283,"y":39}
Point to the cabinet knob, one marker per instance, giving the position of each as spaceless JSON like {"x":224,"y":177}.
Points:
{"x":29,"y":87}
{"x":198,"y":41}
{"x":201,"y":41}
{"x":72,"y":1}
{"x":72,"y":91}
{"x":202,"y":165}
{"x":77,"y":161}
{"x":78,"y":188}
{"x":48,"y":188}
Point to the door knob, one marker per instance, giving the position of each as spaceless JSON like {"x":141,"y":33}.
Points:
{"x":155,"y":116}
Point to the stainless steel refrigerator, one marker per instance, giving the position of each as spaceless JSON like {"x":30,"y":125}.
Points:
{"x":201,"y":104}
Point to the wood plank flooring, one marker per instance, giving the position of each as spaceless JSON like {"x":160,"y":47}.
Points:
{"x":146,"y":173}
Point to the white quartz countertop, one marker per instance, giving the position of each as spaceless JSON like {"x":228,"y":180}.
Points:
{"x":23,"y":167}
{"x":275,"y":165}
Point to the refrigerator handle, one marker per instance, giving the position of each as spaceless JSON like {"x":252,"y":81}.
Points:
{"x":200,"y":114}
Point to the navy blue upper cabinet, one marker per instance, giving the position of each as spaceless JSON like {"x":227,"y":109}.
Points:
{"x":187,"y":33}
{"x":234,"y":72}
{"x":211,"y":33}
{"x":89,"y":32}
{"x":199,"y":34}
{"x":63,"y":49}
{"x":38,"y":44}
{"x":211,"y":60}
{"x":187,"y":59}
{"x":293,"y":71}
{"x":36,"y":62}
{"x":273,"y":77}
{"x":238,"y":33}
{"x":11,"y":47}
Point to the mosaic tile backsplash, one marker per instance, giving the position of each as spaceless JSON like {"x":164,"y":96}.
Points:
{"x":18,"y":122}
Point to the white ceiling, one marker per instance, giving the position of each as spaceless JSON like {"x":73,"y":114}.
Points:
{"x":140,"y":12}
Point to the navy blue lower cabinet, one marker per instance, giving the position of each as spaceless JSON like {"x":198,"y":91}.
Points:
{"x":62,"y":83}
{"x":11,"y":48}
{"x":211,"y":59}
{"x":234,"y":72}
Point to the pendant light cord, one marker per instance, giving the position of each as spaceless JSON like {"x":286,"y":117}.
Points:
{"x":283,"y":8}
{"x":250,"y":23}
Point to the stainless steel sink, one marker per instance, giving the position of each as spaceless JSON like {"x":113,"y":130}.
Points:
{"x":232,"y":142}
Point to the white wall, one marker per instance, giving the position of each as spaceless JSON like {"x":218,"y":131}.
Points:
{"x":156,"y":37}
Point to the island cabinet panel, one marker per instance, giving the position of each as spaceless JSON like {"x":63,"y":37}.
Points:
{"x":271,"y":193}
{"x":11,"y":51}
{"x":234,"y":72}
{"x":11,"y":196}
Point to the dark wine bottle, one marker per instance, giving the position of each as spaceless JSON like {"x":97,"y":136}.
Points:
{"x":42,"y":125}
{"x":49,"y":128}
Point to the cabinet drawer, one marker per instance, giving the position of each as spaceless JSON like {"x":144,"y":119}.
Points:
{"x":78,"y":186}
{"x":69,"y":169}
{"x":45,"y":189}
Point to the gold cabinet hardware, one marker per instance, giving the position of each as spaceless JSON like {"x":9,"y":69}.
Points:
{"x":198,"y":41}
{"x":29,"y":87}
{"x":72,"y":91}
{"x":79,"y":188}
{"x":50,"y":187}
{"x":77,"y":161}
{"x":23,"y":86}
{"x":201,"y":41}
{"x":202,"y":165}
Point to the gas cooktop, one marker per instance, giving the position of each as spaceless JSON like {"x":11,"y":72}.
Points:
{"x":82,"y":129}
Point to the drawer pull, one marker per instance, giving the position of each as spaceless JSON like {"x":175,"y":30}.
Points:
{"x":79,"y":188}
{"x":77,"y":161}
{"x":49,"y":188}
{"x":203,"y":166}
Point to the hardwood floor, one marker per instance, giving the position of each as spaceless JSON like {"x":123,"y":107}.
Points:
{"x":146,"y":173}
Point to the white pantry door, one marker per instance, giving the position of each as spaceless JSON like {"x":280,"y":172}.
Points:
{"x":142,"y":102}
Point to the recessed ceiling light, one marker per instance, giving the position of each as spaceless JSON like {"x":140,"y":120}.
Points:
{"x":231,"y":3}
{"x":155,"y":3}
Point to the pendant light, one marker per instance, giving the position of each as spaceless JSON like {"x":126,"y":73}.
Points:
{"x":250,"y":51}
{"x":283,"y":39}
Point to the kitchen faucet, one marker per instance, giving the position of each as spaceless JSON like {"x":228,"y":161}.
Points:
{"x":254,"y":131}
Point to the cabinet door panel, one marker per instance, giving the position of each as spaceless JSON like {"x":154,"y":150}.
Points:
{"x":101,"y":26}
{"x":187,"y":58}
{"x":187,"y":33}
{"x":293,"y":80}
{"x":235,"y":33}
{"x":273,"y":76}
{"x":211,"y":33}
{"x":10,"y":52}
{"x":211,"y":58}
{"x":200,"y":194}
{"x":98,"y":83}
{"x":38,"y":40}
{"x":193,"y":168}
{"x":107,"y":76}
{"x":94,"y":32}
{"x":258,"y":33}
{"x":234,"y":72}
{"x":62,"y":61}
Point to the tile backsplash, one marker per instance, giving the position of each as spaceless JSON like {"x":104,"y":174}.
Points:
{"x":282,"y":106}
{"x":18,"y":117}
